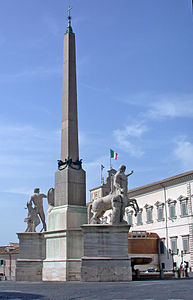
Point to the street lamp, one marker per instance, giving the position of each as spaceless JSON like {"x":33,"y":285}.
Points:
{"x":182,"y":255}
{"x":172,"y":253}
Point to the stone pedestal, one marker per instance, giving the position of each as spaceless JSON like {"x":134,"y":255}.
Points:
{"x":64,"y":243}
{"x":105,"y":253}
{"x":70,"y":187}
{"x":31,"y":255}
{"x":63,"y":256}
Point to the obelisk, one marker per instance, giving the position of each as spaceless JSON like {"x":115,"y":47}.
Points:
{"x":69,"y":138}
{"x":64,"y":245}
{"x":70,"y":179}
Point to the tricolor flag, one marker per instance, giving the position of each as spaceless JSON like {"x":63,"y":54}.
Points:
{"x":113,"y":154}
{"x":102,"y":167}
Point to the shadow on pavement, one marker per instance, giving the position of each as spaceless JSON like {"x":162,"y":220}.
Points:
{"x":17,"y":295}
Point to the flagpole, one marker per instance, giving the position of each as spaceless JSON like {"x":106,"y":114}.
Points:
{"x":101,"y":175}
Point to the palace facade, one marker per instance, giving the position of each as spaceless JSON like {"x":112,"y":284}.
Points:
{"x":165,"y":209}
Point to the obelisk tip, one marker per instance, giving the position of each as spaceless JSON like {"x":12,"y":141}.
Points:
{"x":69,"y":28}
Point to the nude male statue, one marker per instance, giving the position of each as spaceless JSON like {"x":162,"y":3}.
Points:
{"x":37,"y":200}
{"x":120,"y":187}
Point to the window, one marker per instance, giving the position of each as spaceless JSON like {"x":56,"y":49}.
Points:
{"x":95,"y":195}
{"x":174,"y":245}
{"x":172,"y":208}
{"x":130,"y":219}
{"x":185,"y":240}
{"x":139,"y":218}
{"x":163,"y":266}
{"x":160,"y":213}
{"x":172,"y":211}
{"x":149,"y":213}
{"x":2,"y":262}
{"x":162,"y":247}
{"x":129,"y":215}
{"x":184,"y":210}
{"x":184,"y":205}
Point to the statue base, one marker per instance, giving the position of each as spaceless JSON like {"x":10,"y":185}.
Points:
{"x":64,"y":243}
{"x":105,"y":253}
{"x":31,"y":255}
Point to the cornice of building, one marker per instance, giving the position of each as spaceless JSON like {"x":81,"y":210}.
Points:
{"x":3,"y":251}
{"x":99,"y":187}
{"x":170,"y":181}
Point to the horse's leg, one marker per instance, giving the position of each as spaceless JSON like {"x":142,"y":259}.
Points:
{"x":95,"y":218}
{"x":116,"y":211}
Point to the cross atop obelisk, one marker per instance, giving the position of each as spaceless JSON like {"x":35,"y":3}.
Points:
{"x":69,"y":138}
{"x":69,"y":28}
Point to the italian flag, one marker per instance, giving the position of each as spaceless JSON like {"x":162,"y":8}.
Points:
{"x":113,"y":154}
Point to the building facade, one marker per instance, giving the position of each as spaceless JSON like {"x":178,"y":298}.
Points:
{"x":165,"y":209}
{"x":8,"y":257}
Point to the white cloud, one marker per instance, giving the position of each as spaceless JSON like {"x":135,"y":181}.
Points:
{"x":33,"y":73}
{"x":123,"y":138}
{"x":18,"y":190}
{"x":184,"y":152}
{"x":132,"y":130}
{"x":172,"y":106}
{"x":159,"y":106}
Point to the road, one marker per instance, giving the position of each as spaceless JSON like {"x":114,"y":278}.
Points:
{"x":173,"y":289}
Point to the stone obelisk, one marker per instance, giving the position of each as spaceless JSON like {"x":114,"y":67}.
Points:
{"x":70,"y":179}
{"x":64,"y":245}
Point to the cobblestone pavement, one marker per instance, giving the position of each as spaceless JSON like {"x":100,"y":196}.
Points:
{"x":173,"y":289}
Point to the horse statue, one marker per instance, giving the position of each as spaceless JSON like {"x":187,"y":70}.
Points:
{"x":117,"y":200}
{"x":32,"y":219}
{"x":97,"y":208}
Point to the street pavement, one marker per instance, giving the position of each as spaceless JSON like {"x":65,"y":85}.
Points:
{"x":171,"y":289}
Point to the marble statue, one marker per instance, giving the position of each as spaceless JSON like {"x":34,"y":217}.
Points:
{"x":117,"y":200}
{"x":32,"y":219}
{"x":37,"y":200}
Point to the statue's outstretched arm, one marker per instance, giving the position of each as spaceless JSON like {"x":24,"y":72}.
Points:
{"x":130,"y":173}
{"x":44,"y":196}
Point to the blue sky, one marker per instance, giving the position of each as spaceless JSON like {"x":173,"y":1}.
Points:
{"x":135,"y":93}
